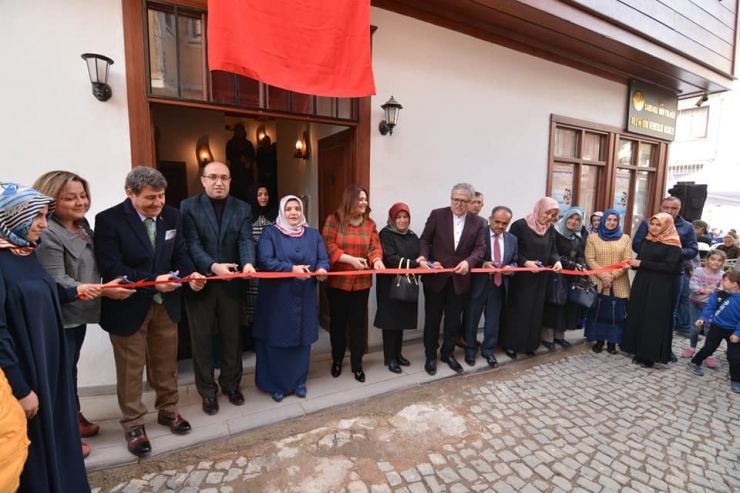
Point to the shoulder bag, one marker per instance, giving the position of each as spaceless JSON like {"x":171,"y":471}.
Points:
{"x":582,"y":292}
{"x":557,"y":290}
{"x":405,"y":287}
{"x":610,"y":310}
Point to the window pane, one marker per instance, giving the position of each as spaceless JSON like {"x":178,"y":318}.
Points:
{"x":301,"y":103}
{"x":622,"y":192}
{"x":345,"y":107}
{"x":249,"y":92}
{"x":588,"y":188}
{"x":562,"y":185}
{"x":645,"y":154}
{"x":191,"y":56}
{"x":223,"y":87}
{"x":642,"y":193}
{"x":593,"y":145}
{"x":566,"y":142}
{"x":324,"y":106}
{"x":624,"y":155}
{"x":162,"y":53}
{"x":277,"y":99}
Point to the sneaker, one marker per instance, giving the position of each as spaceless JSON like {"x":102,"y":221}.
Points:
{"x":735,"y":387}
{"x":695,"y":369}
{"x":688,"y":352}
{"x":711,"y":363}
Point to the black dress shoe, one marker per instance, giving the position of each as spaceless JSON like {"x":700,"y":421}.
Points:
{"x":470,"y":360}
{"x":177,"y":424}
{"x":511,"y":354}
{"x":453,"y":364}
{"x":137,"y":441}
{"x":431,"y":365}
{"x":403,"y":361}
{"x":235,"y":397}
{"x":598,"y":347}
{"x":530,"y":353}
{"x":360,"y":376}
{"x":394,"y":367}
{"x":492,"y":362}
{"x":210,"y":405}
{"x":550,"y":346}
{"x":336,"y":369}
{"x":673,"y":358}
{"x":611,"y":348}
{"x":562,"y":343}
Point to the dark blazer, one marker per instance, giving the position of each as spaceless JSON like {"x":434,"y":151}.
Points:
{"x":437,"y":244}
{"x":478,"y":281}
{"x":207,"y":243}
{"x":122,"y":248}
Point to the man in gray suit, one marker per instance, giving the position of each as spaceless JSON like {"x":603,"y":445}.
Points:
{"x":218,"y":232}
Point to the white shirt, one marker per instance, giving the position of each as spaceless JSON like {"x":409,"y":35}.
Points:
{"x":500,"y":244}
{"x":458,"y":224}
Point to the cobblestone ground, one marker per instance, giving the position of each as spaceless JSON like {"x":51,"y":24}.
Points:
{"x":587,"y":422}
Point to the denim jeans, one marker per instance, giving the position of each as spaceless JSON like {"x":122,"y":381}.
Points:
{"x":695,"y":310}
{"x":681,"y":320}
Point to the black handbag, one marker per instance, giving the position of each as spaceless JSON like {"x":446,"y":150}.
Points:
{"x":405,"y":287}
{"x":557,"y":290}
{"x":582,"y":292}
{"x":610,"y":310}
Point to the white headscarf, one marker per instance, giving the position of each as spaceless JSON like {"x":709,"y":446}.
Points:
{"x":282,"y":221}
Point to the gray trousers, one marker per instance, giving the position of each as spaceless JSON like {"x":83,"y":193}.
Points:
{"x":217,"y":308}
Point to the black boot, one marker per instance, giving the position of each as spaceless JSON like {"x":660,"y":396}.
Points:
{"x":611,"y":348}
{"x":598,"y":347}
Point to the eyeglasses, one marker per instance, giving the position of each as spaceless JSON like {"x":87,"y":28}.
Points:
{"x":460,"y":201}
{"x":223,"y":178}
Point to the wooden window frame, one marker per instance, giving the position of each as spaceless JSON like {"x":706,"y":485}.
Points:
{"x":607,"y":180}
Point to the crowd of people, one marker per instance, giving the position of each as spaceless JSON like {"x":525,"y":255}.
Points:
{"x":57,"y":276}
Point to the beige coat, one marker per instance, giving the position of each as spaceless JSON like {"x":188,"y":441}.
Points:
{"x":600,"y":253}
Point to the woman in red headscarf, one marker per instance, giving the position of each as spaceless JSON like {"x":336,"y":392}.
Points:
{"x":648,"y":334}
{"x":400,"y":248}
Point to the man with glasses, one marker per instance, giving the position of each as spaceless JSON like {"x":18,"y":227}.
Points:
{"x":453,"y":237}
{"x":218,"y":232}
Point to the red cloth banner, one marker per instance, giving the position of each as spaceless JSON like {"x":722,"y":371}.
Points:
{"x":317,"y":47}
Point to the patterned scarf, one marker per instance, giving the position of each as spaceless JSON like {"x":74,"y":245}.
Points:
{"x":19,"y":207}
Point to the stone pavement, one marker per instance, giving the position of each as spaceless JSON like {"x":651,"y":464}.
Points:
{"x":584,"y":423}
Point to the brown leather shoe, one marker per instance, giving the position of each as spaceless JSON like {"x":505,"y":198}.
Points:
{"x":137,"y":442}
{"x":460,"y":342}
{"x":176,"y":425}
{"x":87,"y":429}
{"x":85,"y":450}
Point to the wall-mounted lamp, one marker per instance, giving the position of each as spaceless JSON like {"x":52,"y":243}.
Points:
{"x":203,"y":151}
{"x":391,"y":109}
{"x":703,"y":99}
{"x":301,"y":147}
{"x":261,"y":134}
{"x":97,"y":69}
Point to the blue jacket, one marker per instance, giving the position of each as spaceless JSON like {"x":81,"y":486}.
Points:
{"x":689,"y":246}
{"x":723,"y":309}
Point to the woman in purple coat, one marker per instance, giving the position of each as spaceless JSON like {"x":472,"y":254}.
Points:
{"x":286,"y":318}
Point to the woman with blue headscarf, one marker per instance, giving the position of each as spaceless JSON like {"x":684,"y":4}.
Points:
{"x":608,"y":246}
{"x":569,"y":242}
{"x":33,"y":354}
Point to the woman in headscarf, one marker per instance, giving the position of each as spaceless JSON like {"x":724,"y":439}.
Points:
{"x":570,"y":244}
{"x":286,"y":320}
{"x":594,"y":221}
{"x":400,"y":247}
{"x":263,"y":214}
{"x":648,"y":333}
{"x":33,"y":351}
{"x":521,"y":324}
{"x":608,"y":246}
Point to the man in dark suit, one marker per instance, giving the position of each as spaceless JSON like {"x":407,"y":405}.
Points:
{"x":218,"y":233}
{"x":452,"y":238}
{"x":488,"y":291}
{"x":141,"y":239}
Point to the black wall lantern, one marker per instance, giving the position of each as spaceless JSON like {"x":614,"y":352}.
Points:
{"x":97,"y":68}
{"x":391,"y":109}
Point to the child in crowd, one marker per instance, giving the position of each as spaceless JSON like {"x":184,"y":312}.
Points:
{"x":723,"y":315}
{"x":704,"y":282}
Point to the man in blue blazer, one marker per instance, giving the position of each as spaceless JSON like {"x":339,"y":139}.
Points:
{"x":453,"y":237}
{"x":141,"y":239}
{"x":488,"y":291}
{"x":218,"y":233}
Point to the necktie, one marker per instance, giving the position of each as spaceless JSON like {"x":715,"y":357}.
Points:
{"x":153,"y":239}
{"x":497,"y":278}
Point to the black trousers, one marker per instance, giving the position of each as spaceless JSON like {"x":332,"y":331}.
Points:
{"x":75,"y":337}
{"x":392,"y":344}
{"x":347,"y":308}
{"x":714,"y":338}
{"x":450,"y":304}
{"x":221,"y":307}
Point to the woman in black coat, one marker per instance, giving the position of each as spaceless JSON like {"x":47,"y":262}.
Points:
{"x":400,"y":246}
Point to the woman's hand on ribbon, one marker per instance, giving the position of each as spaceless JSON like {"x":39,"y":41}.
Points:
{"x":378,"y":265}
{"x":303,"y":270}
{"x":557,"y":267}
{"x":249,"y":269}
{"x":321,"y":274}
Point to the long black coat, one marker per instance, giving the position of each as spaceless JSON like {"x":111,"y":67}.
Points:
{"x":565,"y":317}
{"x":394,"y":314}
